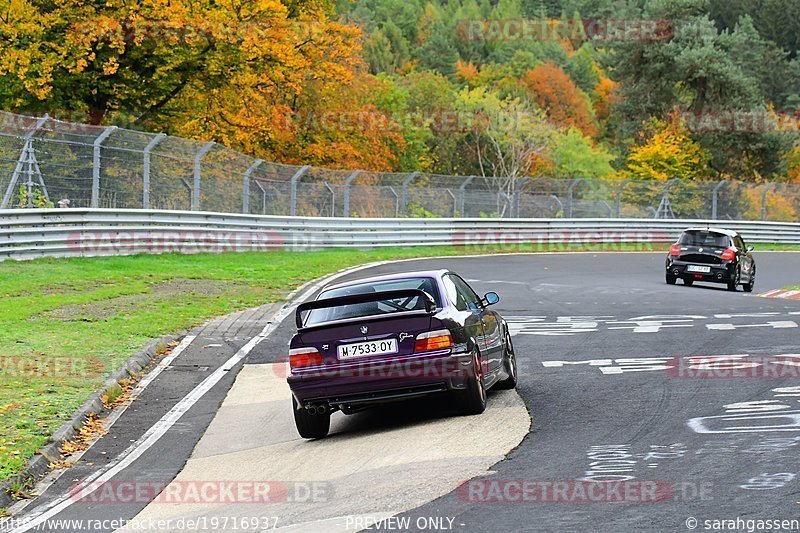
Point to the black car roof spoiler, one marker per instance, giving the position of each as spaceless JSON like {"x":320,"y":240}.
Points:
{"x":339,"y":301}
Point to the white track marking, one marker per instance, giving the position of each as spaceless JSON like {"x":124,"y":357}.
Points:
{"x":160,"y":428}
{"x":42,"y":486}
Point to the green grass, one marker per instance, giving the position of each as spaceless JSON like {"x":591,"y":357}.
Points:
{"x":65,"y":324}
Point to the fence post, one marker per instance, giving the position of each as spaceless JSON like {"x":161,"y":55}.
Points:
{"x":196,"y":187}
{"x":714,"y":201}
{"x":572,"y":186}
{"x":96,"y":164}
{"x":767,"y":188}
{"x":146,"y":173}
{"x":619,"y":196}
{"x":396,"y":202}
{"x":246,"y":193}
{"x":347,"y":183}
{"x":558,"y":201}
{"x":18,"y":170}
{"x":406,"y":183}
{"x":518,"y":194}
{"x":462,"y":193}
{"x":333,"y":198}
{"x":293,"y":193}
{"x":455,"y":203}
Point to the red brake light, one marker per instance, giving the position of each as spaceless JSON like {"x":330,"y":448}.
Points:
{"x":675,"y":250}
{"x":303,"y":357}
{"x":433,"y":340}
{"x":728,"y":255}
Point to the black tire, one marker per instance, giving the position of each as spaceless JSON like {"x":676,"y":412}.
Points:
{"x":734,"y":283}
{"x":472,"y":400}
{"x":751,"y":283}
{"x":510,"y":363}
{"x":671,"y":279}
{"x":310,"y":426}
{"x":688,"y":282}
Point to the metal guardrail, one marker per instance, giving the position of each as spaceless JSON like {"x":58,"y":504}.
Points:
{"x":32,"y":233}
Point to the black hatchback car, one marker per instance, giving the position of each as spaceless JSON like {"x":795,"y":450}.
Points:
{"x":714,"y":255}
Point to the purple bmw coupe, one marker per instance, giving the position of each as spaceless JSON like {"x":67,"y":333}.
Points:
{"x":392,"y":338}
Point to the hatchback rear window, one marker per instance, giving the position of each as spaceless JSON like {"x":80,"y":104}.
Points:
{"x":381,"y":307}
{"x":711,"y":239}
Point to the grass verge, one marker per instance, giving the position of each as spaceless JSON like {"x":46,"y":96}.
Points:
{"x":65,"y":324}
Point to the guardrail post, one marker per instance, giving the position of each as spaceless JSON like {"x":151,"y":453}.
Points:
{"x":27,"y":146}
{"x":96,"y":164}
{"x":196,"y":187}
{"x":293,"y":194}
{"x":619,"y":196}
{"x":767,"y":188}
{"x":572,"y":186}
{"x":246,"y":193}
{"x":406,"y":183}
{"x":347,"y":184}
{"x":714,"y":202}
{"x":146,"y":172}
{"x":462,"y":193}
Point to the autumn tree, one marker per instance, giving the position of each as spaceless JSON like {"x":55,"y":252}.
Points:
{"x":137,"y":59}
{"x":557,"y":94}
{"x":667,"y":152}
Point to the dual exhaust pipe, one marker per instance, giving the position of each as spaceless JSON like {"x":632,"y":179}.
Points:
{"x":319,"y":409}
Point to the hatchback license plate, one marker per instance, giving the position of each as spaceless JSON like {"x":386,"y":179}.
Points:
{"x":362,"y":349}
{"x":700,"y":269}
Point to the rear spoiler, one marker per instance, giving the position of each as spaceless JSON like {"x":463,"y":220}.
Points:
{"x":339,"y":301}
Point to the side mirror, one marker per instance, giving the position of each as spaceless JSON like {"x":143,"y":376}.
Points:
{"x":751,"y":248}
{"x":490,"y":298}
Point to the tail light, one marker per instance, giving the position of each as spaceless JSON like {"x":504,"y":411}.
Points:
{"x":433,"y":340}
{"x":303,"y":357}
{"x":674,"y":250}
{"x":728,"y":255}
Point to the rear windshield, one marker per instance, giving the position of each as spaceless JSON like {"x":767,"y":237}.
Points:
{"x":318,"y":316}
{"x":711,"y":239}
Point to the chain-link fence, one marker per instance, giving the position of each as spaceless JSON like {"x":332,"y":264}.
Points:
{"x":44,"y":161}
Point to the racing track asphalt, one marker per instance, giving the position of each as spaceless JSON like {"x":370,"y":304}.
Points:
{"x":582,"y":323}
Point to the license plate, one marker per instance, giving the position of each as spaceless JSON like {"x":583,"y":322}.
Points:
{"x":699,"y":269}
{"x":363,"y":349}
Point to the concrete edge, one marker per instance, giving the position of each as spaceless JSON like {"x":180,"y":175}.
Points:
{"x":39,"y":464}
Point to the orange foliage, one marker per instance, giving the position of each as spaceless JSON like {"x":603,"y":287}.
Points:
{"x":466,"y":72}
{"x":604,"y":97}
{"x":557,"y":94}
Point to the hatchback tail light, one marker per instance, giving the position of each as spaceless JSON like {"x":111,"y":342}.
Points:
{"x":304,"y":357}
{"x":433,"y":340}
{"x":728,"y":255}
{"x":675,"y":250}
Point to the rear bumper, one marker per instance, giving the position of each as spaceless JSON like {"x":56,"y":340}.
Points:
{"x":377,"y":381}
{"x":718,"y":273}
